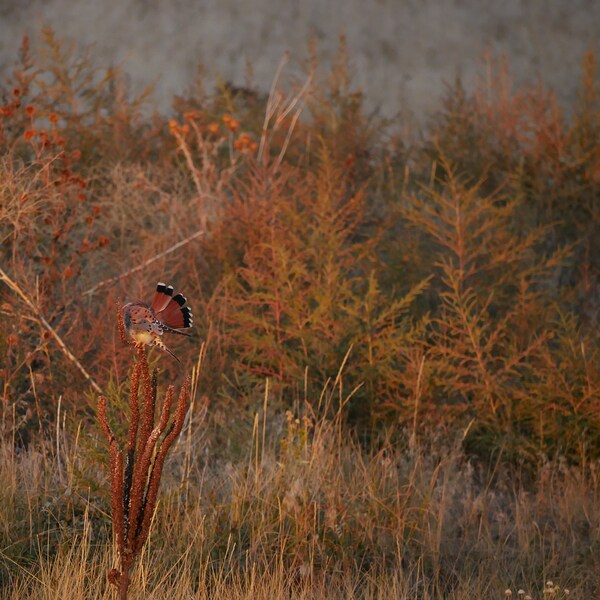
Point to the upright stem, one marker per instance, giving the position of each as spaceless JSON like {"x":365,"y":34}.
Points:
{"x":124,"y":584}
{"x":135,"y":480}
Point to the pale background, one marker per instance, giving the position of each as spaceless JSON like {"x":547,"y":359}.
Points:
{"x":403,"y":51}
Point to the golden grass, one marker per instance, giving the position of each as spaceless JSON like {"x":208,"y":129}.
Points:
{"x":302,"y":510}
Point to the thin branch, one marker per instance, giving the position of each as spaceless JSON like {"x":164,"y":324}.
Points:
{"x":190,"y":161}
{"x":169,"y":250}
{"x":44,"y":323}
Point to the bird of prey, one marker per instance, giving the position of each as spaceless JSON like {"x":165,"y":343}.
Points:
{"x":145,"y":323}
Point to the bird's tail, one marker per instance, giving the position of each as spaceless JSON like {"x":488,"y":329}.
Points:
{"x":159,"y":343}
{"x":171,"y":330}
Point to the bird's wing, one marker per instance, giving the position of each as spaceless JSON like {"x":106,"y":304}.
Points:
{"x":175,"y":314}
{"x":162,"y":297}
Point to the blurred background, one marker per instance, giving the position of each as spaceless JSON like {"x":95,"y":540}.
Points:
{"x":402,"y":52}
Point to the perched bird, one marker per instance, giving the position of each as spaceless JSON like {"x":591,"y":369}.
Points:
{"x":145,"y":323}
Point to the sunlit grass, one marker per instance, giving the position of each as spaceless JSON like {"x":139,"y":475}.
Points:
{"x":303,"y":509}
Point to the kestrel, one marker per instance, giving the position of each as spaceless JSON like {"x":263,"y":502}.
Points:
{"x":145,"y":323}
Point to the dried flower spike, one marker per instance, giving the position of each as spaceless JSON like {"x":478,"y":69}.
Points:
{"x":136,"y":469}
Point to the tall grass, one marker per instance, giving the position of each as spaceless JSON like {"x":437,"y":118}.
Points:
{"x":304,"y":509}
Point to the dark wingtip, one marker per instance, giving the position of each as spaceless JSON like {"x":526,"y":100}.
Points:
{"x":180,"y":299}
{"x":187,"y":317}
{"x":163,"y":288}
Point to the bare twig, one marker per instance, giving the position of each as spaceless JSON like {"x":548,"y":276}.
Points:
{"x":189,"y":160}
{"x":137,"y":268}
{"x":39,"y":317}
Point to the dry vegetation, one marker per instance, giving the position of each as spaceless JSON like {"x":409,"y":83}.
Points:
{"x":399,"y":391}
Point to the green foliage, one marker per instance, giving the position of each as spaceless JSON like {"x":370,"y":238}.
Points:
{"x":496,"y":298}
{"x":305,"y":290}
